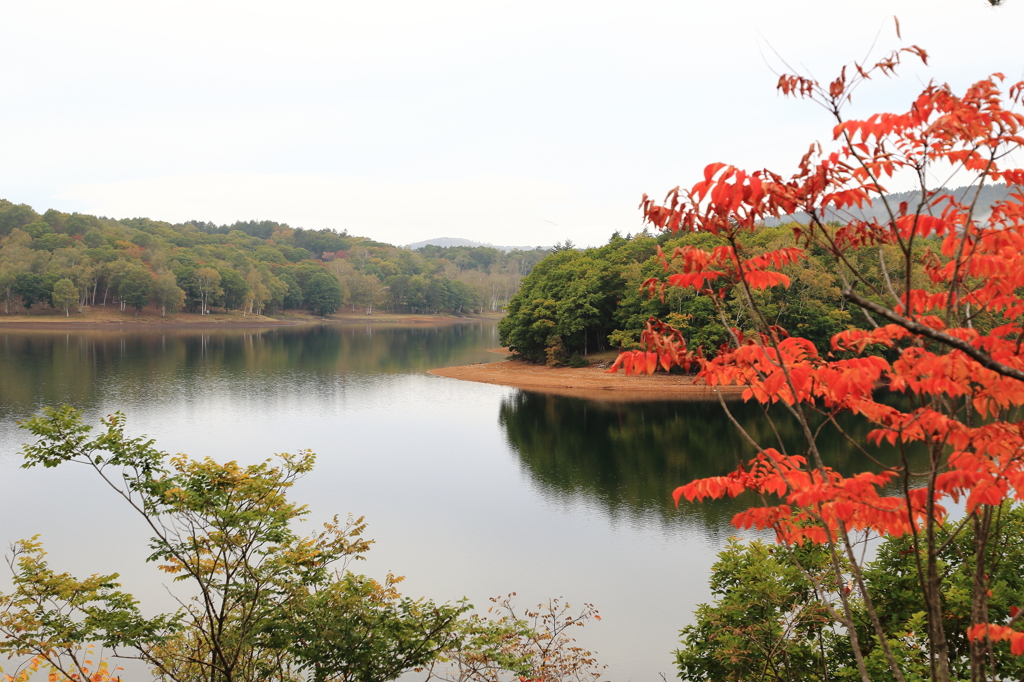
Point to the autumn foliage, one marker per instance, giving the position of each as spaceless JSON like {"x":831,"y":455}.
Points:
{"x":943,"y":325}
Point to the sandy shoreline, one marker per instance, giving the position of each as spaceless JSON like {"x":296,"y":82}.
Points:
{"x":592,"y":383}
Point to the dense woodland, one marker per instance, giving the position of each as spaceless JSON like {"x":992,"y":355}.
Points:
{"x":582,"y":301}
{"x":71,"y":261}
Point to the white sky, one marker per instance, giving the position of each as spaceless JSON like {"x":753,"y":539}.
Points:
{"x":511,"y":122}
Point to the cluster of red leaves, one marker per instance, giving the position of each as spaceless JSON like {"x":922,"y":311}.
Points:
{"x":816,"y":500}
{"x":662,"y":346}
{"x":999,"y":633}
{"x":974,"y":267}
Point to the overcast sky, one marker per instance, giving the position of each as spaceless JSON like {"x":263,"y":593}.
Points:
{"x":510,"y":122}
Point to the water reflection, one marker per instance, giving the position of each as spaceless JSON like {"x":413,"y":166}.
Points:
{"x":88,"y":367}
{"x":631,"y":456}
{"x":422,"y":457}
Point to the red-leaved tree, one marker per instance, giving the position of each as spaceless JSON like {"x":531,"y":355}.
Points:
{"x":939,"y":283}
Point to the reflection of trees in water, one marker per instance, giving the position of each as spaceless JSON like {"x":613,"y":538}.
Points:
{"x":632,"y":456}
{"x":45,"y":368}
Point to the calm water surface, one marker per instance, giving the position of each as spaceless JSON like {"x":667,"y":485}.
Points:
{"x":469,"y":489}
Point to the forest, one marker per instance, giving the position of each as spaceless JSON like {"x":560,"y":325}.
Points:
{"x":576,"y":302}
{"x":73,"y":261}
{"x":579,"y":302}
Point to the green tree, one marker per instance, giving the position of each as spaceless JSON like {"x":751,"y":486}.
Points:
{"x":113,"y":271}
{"x":355,"y":628}
{"x":15,"y":258}
{"x":772,"y":618}
{"x":257,"y":293}
{"x":766,"y":623}
{"x":52,"y":242}
{"x":235,"y":288}
{"x":225,"y":528}
{"x":208,"y":283}
{"x":269,"y":603}
{"x":135,"y":287}
{"x":15,"y":216}
{"x":323,"y":293}
{"x":292,"y":297}
{"x":65,"y":295}
{"x":276,"y":291}
{"x":319,"y":241}
{"x":415,"y":293}
{"x":31,"y":287}
{"x":168,"y":294}
{"x":568,"y":301}
{"x":94,"y":239}
{"x":51,"y":617}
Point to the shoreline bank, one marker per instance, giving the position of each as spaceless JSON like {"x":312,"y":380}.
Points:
{"x":111,"y":319}
{"x":591,"y":383}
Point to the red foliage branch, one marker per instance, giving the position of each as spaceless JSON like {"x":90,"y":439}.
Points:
{"x":957,"y":333}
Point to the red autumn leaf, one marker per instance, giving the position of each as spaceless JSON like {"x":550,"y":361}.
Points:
{"x":933,"y":296}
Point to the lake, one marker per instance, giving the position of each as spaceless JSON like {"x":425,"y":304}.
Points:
{"x":470,"y":490}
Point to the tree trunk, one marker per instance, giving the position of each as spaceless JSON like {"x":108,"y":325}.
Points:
{"x":979,"y":602}
{"x":933,"y":585}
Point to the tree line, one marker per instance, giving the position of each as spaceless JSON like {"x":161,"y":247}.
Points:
{"x":74,"y":261}
{"x":581,"y":301}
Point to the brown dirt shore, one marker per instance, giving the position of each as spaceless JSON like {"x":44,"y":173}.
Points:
{"x":592,"y":383}
{"x":111,"y":319}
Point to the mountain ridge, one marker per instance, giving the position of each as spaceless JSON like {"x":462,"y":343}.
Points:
{"x":987,"y":196}
{"x":445,"y":242}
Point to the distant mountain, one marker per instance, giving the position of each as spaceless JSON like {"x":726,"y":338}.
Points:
{"x":455,"y":241}
{"x":988,"y":196}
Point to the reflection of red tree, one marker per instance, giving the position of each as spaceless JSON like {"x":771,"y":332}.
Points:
{"x":943,"y":309}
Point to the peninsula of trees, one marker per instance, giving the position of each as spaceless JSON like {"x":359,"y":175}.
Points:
{"x":70,"y":261}
{"x":576,"y":302}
